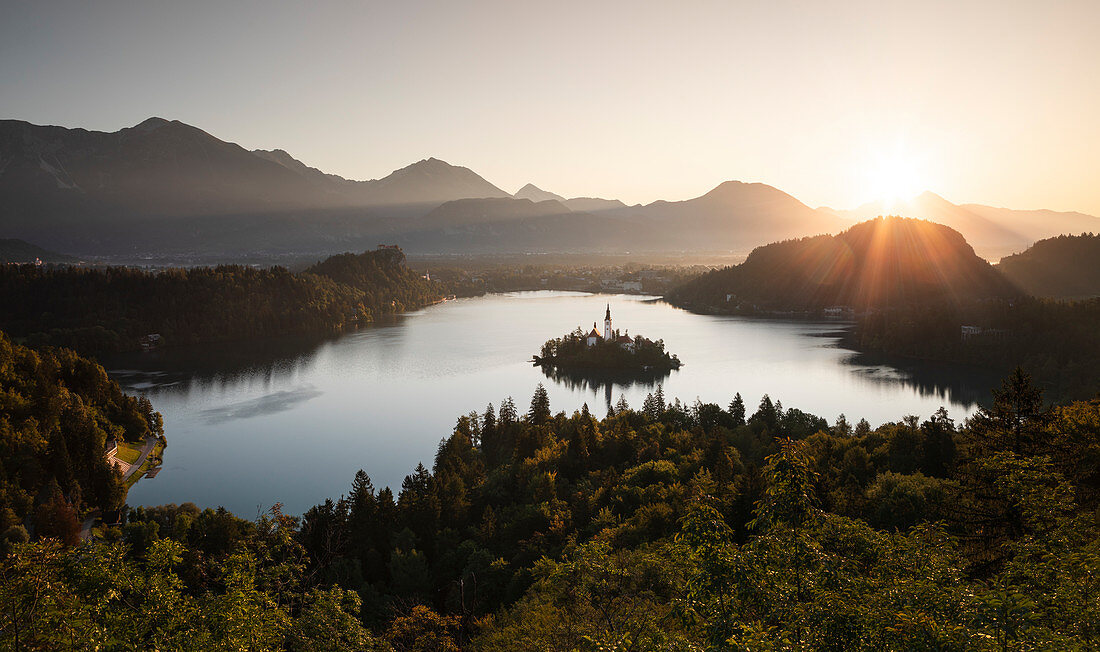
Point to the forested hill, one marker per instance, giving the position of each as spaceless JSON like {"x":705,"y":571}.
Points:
{"x":100,"y":310}
{"x":881,"y":263}
{"x":1067,"y":266}
{"x":13,"y":250}
{"x":57,"y":411}
{"x":382,"y":276}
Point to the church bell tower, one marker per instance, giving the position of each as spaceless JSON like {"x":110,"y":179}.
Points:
{"x":607,"y":324}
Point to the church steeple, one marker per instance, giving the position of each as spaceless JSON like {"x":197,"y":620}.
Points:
{"x":607,"y":324}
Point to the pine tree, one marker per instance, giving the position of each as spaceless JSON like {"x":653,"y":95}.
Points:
{"x":508,"y":414}
{"x":540,"y":406}
{"x":737,"y":410}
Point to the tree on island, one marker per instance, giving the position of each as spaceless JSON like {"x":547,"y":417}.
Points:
{"x":578,"y":351}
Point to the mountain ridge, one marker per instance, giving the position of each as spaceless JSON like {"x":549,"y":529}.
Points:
{"x":163,"y":185}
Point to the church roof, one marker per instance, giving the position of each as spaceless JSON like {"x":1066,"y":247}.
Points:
{"x":594,"y":333}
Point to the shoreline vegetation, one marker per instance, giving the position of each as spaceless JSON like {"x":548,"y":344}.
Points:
{"x":115,"y":309}
{"x":577,"y":353}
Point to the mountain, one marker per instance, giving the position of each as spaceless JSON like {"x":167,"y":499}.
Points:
{"x":593,"y":204}
{"x":20,"y":251}
{"x":1066,"y":266}
{"x":1038,"y":224}
{"x":165,"y":185}
{"x":734,"y":215}
{"x":496,"y":209}
{"x":993,"y":232}
{"x":534,"y":193}
{"x":581,"y":204}
{"x":289,"y":162}
{"x":881,"y":263}
{"x":429,"y":181}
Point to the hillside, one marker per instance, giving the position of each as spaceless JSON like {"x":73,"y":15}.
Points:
{"x":881,"y":263}
{"x":18,"y":251}
{"x":58,"y":412}
{"x":1067,"y":266}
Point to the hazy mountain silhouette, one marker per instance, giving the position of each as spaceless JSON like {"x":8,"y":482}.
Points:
{"x":734,"y":215}
{"x":880,"y":263}
{"x":582,"y":204}
{"x":476,"y":211}
{"x":592,"y":204}
{"x":534,"y":193}
{"x":165,"y":185}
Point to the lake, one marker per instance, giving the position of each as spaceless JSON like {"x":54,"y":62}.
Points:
{"x":254,"y":423}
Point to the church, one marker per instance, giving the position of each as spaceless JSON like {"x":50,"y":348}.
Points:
{"x":608,"y":335}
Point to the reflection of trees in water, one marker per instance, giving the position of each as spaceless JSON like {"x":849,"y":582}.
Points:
{"x":214,"y":365}
{"x":604,"y":381}
{"x":955,"y":383}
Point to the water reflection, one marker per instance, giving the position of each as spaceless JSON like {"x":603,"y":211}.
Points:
{"x":605,"y":383}
{"x":279,"y":401}
{"x":381,"y":398}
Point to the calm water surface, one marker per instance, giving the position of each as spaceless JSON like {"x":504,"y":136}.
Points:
{"x":291,"y":421}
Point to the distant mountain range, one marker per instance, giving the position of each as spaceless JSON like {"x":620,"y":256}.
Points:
{"x":165,"y":187}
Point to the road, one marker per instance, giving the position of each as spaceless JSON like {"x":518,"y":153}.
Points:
{"x":150,"y":444}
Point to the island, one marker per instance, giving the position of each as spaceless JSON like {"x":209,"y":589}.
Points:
{"x":612,"y":352}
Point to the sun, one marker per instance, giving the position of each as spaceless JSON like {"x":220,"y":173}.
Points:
{"x":893,"y":177}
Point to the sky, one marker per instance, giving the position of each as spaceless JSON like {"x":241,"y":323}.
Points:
{"x":837,"y":103}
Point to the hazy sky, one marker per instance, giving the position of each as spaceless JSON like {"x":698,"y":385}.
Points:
{"x":833,"y":102}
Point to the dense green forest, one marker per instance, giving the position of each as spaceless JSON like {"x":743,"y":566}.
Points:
{"x":57,"y":411}
{"x":878,"y":264}
{"x":111,"y":309}
{"x":1055,"y":341}
{"x":1067,"y":266}
{"x":668,"y":527}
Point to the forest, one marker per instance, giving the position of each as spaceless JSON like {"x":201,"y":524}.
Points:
{"x":95,"y":311}
{"x":1055,"y":341}
{"x":670,"y":526}
{"x":1062,"y":267}
{"x":57,"y":412}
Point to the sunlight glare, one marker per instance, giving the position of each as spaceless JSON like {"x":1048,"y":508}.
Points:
{"x":893,"y":178}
